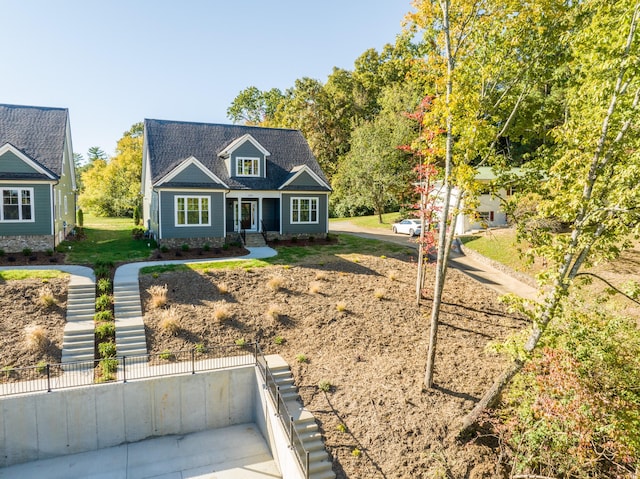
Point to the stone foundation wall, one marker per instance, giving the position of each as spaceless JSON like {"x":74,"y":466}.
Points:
{"x":214,"y":242}
{"x":15,"y":244}
{"x":271,"y":235}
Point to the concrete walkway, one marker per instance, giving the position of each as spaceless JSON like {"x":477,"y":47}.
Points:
{"x":236,"y":452}
{"x":78,"y":339}
{"x":486,"y":274}
{"x":130,"y":333}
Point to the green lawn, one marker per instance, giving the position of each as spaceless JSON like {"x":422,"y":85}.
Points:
{"x":106,"y":239}
{"x":44,"y":274}
{"x":371,"y":221}
{"x":499,"y":245}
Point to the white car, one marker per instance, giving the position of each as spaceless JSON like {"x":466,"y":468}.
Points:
{"x":409,"y":227}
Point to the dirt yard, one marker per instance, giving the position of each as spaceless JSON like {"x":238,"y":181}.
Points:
{"x":354,"y":318}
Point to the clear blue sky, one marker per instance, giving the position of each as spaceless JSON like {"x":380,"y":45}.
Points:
{"x":115,"y":62}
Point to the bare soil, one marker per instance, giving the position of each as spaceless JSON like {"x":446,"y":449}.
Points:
{"x":372,"y":353}
{"x":20,"y":309}
{"x":354,"y":318}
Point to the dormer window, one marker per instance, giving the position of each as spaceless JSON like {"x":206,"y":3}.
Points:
{"x":247,"y":166}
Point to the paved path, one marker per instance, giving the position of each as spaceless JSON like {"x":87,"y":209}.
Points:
{"x":484,"y":273}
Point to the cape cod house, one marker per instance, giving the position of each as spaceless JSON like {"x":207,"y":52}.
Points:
{"x":37,"y":178}
{"x":203,"y":183}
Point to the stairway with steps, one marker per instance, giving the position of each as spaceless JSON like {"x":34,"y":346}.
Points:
{"x":254,"y":240}
{"x":320,"y":466}
{"x":130,"y":334}
{"x":78,"y":343}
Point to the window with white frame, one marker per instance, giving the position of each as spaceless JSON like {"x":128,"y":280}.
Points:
{"x":17,"y":204}
{"x":193,"y":211}
{"x":304,"y":210}
{"x":246,"y":166}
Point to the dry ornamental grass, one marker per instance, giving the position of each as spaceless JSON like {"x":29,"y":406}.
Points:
{"x":158,"y":295}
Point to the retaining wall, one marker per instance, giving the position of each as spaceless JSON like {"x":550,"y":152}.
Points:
{"x":45,"y":425}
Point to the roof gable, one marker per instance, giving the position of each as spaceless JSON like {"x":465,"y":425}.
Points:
{"x":189,"y":163}
{"x":235,"y":144}
{"x":303,"y":177}
{"x":16,"y":163}
{"x":38,"y":132}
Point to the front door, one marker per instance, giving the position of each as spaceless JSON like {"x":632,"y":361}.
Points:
{"x":248,"y":215}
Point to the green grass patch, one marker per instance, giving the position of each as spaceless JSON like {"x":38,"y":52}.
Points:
{"x":500,"y":246}
{"x":17,"y":274}
{"x":107,"y":239}
{"x":371,"y":221}
{"x":226,"y":264}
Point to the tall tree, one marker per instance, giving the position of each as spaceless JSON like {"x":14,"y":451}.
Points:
{"x":593,"y":169}
{"x":254,"y":107}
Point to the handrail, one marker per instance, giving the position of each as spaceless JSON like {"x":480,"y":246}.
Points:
{"x":282,"y":411}
{"x":263,"y":230}
{"x":243,"y":235}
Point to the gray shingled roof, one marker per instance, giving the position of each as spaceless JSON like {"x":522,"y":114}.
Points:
{"x":171,"y":142}
{"x":38,"y":132}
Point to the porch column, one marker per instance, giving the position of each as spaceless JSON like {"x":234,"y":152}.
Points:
{"x":259,"y":213}
{"x":239,"y":215}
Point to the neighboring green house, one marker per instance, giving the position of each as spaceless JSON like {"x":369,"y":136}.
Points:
{"x":37,"y":178}
{"x":204,"y":182}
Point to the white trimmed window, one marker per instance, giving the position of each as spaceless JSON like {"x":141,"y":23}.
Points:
{"x":304,"y":210}
{"x":246,"y":166}
{"x":193,"y":211}
{"x":17,"y":204}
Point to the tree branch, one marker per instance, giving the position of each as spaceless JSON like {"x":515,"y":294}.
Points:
{"x":610,"y":285}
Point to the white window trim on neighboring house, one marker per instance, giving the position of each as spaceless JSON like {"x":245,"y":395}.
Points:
{"x":241,"y":169}
{"x":20,"y":205}
{"x":296,"y":203}
{"x":185,"y":210}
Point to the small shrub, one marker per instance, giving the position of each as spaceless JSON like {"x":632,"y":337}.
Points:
{"x":383,"y":256}
{"x":225,"y":246}
{"x":155,"y":275}
{"x":341,"y":427}
{"x":221,"y":312}
{"x":200,"y":348}
{"x":311,"y":239}
{"x":41,"y":367}
{"x":279,"y":340}
{"x":48,"y":252}
{"x":206,"y":247}
{"x":273,"y":312}
{"x":103,"y":263}
{"x":392,"y":275}
{"x":158,"y":295}
{"x":294,"y":239}
{"x":103,"y":302}
{"x":102,"y":316}
{"x":315,"y":287}
{"x":324,"y":386}
{"x":107,"y":349}
{"x":8,"y":371}
{"x":275,"y":283}
{"x":80,"y":218}
{"x":185,"y":247}
{"x":241,"y":342}
{"x":302,"y":358}
{"x":104,"y":285}
{"x":164,"y":249}
{"x":341,"y":306}
{"x":102,"y":271}
{"x":105,"y":330}
{"x":286,"y":266}
{"x":222,"y":288}
{"x":27,"y":252}
{"x":1,"y":252}
{"x":356,"y":452}
{"x":108,"y":366}
{"x":167,"y":355}
{"x":169,"y":323}
{"x":322,"y":276}
{"x":36,"y":338}
{"x":379,"y":293}
{"x":46,"y":297}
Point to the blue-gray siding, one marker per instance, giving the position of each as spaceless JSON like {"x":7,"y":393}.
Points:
{"x":167,"y":216}
{"x":271,"y":214}
{"x":304,"y":180}
{"x":10,"y":163}
{"x":320,"y":227}
{"x":192,"y":174}
{"x":42,"y":213}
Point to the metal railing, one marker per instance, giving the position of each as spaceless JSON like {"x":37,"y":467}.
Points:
{"x":263,"y":231}
{"x":48,"y":377}
{"x":286,"y":418}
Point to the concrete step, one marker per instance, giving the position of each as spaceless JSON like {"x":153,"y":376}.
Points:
{"x":325,"y":474}
{"x":78,"y":338}
{"x":73,"y":357}
{"x":131,"y":339}
{"x":80,"y":349}
{"x":315,"y":444}
{"x":319,"y":467}
{"x":131,"y":352}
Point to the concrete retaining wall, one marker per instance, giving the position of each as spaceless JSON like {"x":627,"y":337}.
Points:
{"x":70,"y":421}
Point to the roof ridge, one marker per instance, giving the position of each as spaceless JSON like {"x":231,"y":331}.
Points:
{"x":34,"y":107}
{"x":230,"y":125}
